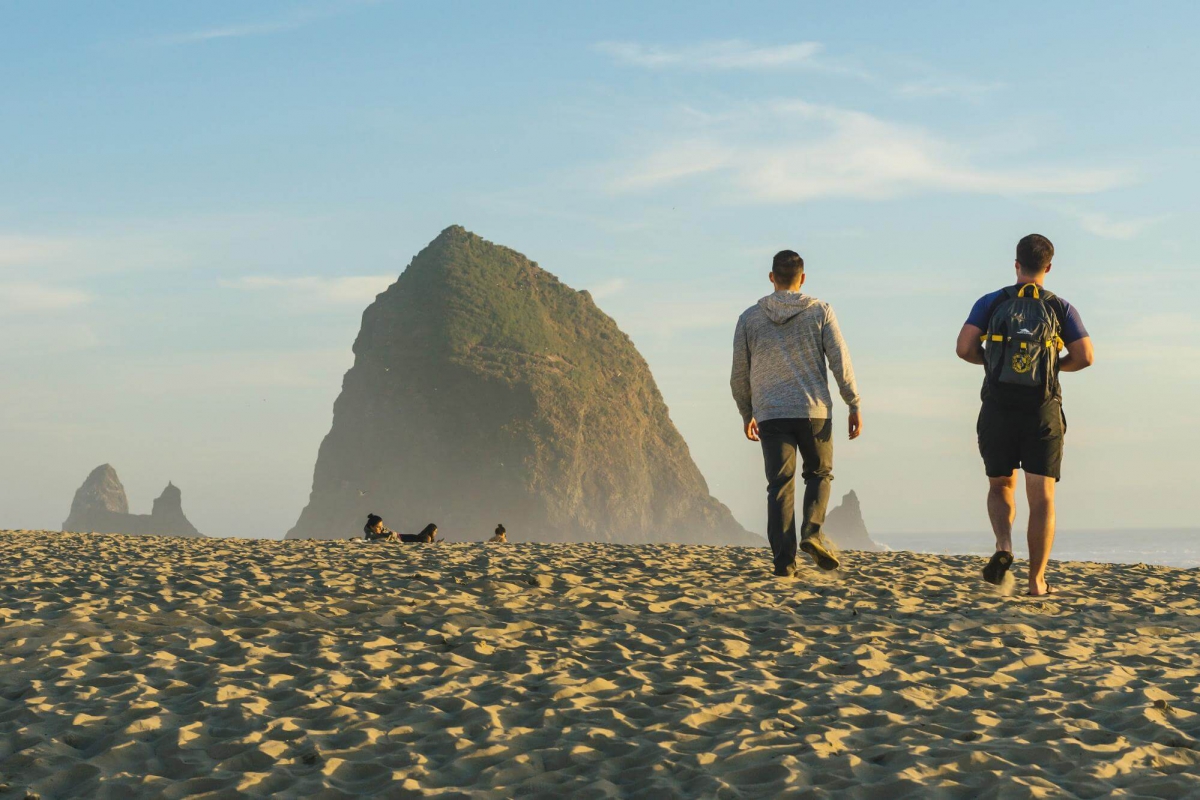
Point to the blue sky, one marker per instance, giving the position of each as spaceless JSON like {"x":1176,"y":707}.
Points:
{"x":198,"y":200}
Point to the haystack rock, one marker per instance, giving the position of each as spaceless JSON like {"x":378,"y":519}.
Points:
{"x":484,"y":389}
{"x":100,"y":506}
{"x":845,"y":526}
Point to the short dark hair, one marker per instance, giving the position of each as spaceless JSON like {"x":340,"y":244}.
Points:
{"x":1034,"y":254}
{"x":787,"y":265}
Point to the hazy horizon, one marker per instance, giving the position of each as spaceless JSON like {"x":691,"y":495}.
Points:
{"x":199,"y":202}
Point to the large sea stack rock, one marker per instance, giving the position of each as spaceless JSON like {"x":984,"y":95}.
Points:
{"x":100,"y":506}
{"x":484,"y":390}
{"x":846,"y":527}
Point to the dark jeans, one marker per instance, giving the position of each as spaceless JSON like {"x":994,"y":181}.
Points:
{"x":781,"y":438}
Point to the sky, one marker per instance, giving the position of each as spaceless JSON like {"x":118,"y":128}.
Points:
{"x":198,"y":200}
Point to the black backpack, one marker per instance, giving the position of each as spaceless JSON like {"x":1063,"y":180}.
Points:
{"x":1021,"y":346}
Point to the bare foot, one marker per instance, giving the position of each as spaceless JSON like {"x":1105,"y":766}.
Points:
{"x":1039,"y":588}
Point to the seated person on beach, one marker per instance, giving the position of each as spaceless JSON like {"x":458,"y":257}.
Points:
{"x":375,"y":531}
{"x":500,"y":536}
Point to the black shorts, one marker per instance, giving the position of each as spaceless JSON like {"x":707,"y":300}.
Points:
{"x":1028,"y":439}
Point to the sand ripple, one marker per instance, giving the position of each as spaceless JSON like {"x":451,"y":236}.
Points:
{"x":133,"y":666}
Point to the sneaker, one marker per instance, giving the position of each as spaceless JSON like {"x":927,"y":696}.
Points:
{"x":821,"y":552}
{"x":786,"y":571}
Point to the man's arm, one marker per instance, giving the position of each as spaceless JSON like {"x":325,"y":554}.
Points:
{"x":838,"y":356}
{"x":739,"y":381}
{"x":970,"y":346}
{"x":1080,"y":355}
{"x":1079,"y":345}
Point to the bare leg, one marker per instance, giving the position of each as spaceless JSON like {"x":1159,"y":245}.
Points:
{"x":1041,"y":529}
{"x":1002,"y":509}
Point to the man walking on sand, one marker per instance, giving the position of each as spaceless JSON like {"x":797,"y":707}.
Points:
{"x":1016,"y":334}
{"x":781,"y":387}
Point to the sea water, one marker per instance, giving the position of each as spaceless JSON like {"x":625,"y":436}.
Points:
{"x":1172,"y":547}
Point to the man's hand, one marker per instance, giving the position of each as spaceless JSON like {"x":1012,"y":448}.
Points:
{"x":855,"y":424}
{"x":1080,"y":355}
{"x":752,"y":430}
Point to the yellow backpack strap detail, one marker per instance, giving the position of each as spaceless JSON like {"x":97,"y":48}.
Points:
{"x":1036,"y":294}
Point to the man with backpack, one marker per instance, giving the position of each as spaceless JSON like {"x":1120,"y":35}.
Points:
{"x":1016,"y":334}
{"x":781,"y":386}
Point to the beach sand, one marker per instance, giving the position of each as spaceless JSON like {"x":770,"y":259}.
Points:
{"x":154,"y":667}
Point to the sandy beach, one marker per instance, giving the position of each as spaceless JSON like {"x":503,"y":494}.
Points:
{"x":156,"y":667}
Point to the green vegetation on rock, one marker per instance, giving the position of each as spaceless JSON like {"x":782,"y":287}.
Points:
{"x":485,"y":390}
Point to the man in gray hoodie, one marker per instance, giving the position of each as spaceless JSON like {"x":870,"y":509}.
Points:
{"x":781,"y":386}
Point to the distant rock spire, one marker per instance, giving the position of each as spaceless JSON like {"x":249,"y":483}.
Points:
{"x":100,"y":506}
{"x":167,"y":513}
{"x":846,"y":527}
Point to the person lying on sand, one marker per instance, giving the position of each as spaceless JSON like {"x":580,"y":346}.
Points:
{"x":375,"y":531}
{"x":779,"y":381}
{"x":1015,"y":334}
{"x":428,"y":534}
{"x":500,"y":536}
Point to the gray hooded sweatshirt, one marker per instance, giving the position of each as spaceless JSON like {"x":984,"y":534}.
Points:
{"x":779,"y":352}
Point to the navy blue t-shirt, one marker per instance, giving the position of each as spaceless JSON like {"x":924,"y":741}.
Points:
{"x":1073,"y":329}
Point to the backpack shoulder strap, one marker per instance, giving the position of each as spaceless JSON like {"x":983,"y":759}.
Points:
{"x":1060,"y":316}
{"x":1007,"y":293}
{"x":1056,"y":305}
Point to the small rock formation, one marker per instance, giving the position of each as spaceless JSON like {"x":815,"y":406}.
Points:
{"x":484,"y":388}
{"x":845,"y":526}
{"x":100,"y":506}
{"x":102,"y":492}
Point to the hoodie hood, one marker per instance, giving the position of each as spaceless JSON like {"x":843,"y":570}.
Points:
{"x":782,"y":306}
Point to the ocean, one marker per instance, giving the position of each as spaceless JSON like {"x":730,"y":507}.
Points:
{"x":1171,"y":547}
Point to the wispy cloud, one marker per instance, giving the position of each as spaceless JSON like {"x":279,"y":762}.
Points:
{"x":229,"y":32}
{"x":676,"y":318}
{"x":35,"y":297}
{"x":349,"y":289}
{"x":297,"y":18}
{"x":1153,"y":339}
{"x":738,"y":54}
{"x":309,"y":368}
{"x":21,"y":251}
{"x":730,"y":54}
{"x":1108,"y":227}
{"x":32,"y":338}
{"x":948,"y":87}
{"x":608,"y":288}
{"x":836,"y":152}
{"x":680,"y":160}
